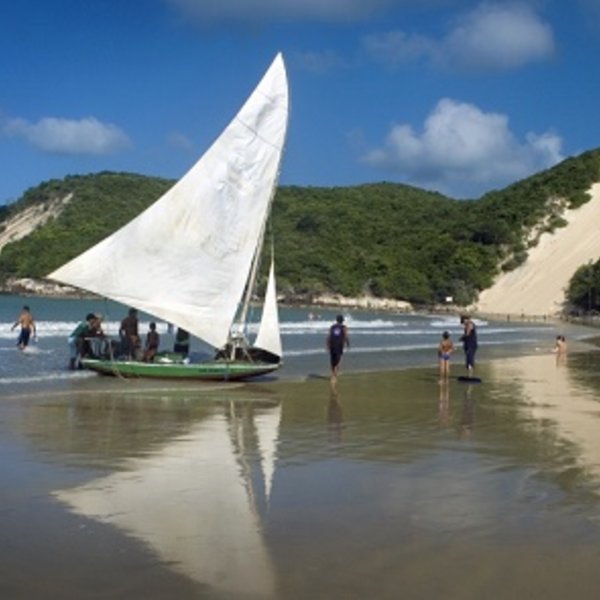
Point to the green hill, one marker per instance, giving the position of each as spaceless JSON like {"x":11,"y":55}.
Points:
{"x":390,"y":240}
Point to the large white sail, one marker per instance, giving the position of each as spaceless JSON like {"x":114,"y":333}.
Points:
{"x":269,"y":336}
{"x":187,"y":257}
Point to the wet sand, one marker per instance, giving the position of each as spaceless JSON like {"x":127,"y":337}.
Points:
{"x":389,"y":486}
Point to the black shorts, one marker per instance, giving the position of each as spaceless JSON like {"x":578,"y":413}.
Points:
{"x":334,"y":357}
{"x":24,"y":337}
{"x":470,"y":357}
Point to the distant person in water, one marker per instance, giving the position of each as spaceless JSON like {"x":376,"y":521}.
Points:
{"x":337,"y":340}
{"x":128,"y":332}
{"x":445,"y":349}
{"x":27,"y":324}
{"x":469,"y":341}
{"x":182,"y":342}
{"x":560,"y":347}
{"x":152,"y":343}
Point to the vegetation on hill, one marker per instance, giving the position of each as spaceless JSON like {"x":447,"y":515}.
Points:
{"x":400,"y":242}
{"x":101,"y":204}
{"x":583,"y":293}
{"x":389,"y":240}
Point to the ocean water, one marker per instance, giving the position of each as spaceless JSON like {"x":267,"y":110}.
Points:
{"x":379,"y":340}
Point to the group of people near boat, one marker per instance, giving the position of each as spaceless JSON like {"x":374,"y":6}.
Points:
{"x":89,"y":341}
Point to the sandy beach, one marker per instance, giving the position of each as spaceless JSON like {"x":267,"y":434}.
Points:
{"x":537,"y":287}
{"x":293,"y":489}
{"x":286,"y":488}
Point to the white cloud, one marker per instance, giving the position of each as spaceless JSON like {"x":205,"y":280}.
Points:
{"x":319,"y":62}
{"x":491,"y":37}
{"x":498,"y":36}
{"x":277,"y":10}
{"x":463,"y":151}
{"x":397,"y":47}
{"x":180,"y":141}
{"x":67,"y":136}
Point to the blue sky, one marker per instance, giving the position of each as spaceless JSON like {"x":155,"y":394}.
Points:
{"x":461,"y":97}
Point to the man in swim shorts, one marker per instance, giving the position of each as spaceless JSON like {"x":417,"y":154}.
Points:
{"x":27,"y":324}
{"x":337,"y":340}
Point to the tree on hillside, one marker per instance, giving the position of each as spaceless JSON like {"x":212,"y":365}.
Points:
{"x":583,"y":293}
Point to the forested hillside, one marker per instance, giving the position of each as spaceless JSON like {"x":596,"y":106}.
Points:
{"x":101,"y":203}
{"x":386,"y":239}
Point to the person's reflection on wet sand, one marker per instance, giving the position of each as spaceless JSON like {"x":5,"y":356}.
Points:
{"x":335,"y":413}
{"x":444,"y":404}
{"x":467,"y":417}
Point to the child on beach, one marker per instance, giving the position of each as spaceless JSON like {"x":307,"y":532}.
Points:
{"x":445,"y":349}
{"x":561,"y":345}
{"x":152,"y":343}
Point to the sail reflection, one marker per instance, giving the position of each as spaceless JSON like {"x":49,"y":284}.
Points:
{"x":196,"y":502}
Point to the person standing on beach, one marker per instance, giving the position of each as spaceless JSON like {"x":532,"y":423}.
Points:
{"x":445,"y":349}
{"x":130,"y":339}
{"x":337,"y":340}
{"x":561,"y":345}
{"x":469,"y":340}
{"x":560,"y":349}
{"x":27,"y":324}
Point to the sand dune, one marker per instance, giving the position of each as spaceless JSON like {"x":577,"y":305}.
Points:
{"x":30,"y":218}
{"x":538,"y":286}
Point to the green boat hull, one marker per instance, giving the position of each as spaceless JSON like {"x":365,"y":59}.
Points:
{"x":209,"y":371}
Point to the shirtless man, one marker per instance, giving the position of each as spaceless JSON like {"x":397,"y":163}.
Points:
{"x":130,"y":339}
{"x":27,"y":324}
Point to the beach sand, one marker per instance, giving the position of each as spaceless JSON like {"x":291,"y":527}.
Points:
{"x":538,"y":286}
{"x":388,"y":485}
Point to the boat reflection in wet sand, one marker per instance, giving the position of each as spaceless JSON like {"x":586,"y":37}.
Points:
{"x":197,"y":501}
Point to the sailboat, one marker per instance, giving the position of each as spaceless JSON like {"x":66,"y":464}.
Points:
{"x":192,"y":257}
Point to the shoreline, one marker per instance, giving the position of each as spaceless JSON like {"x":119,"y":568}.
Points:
{"x":36,"y":288}
{"x":430,"y":372}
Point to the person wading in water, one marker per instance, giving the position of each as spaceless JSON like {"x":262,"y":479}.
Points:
{"x":27,"y":324}
{"x":337,"y":340}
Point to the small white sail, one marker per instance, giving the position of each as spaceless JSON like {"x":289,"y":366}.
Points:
{"x":186,"y":258}
{"x":269,"y":335}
